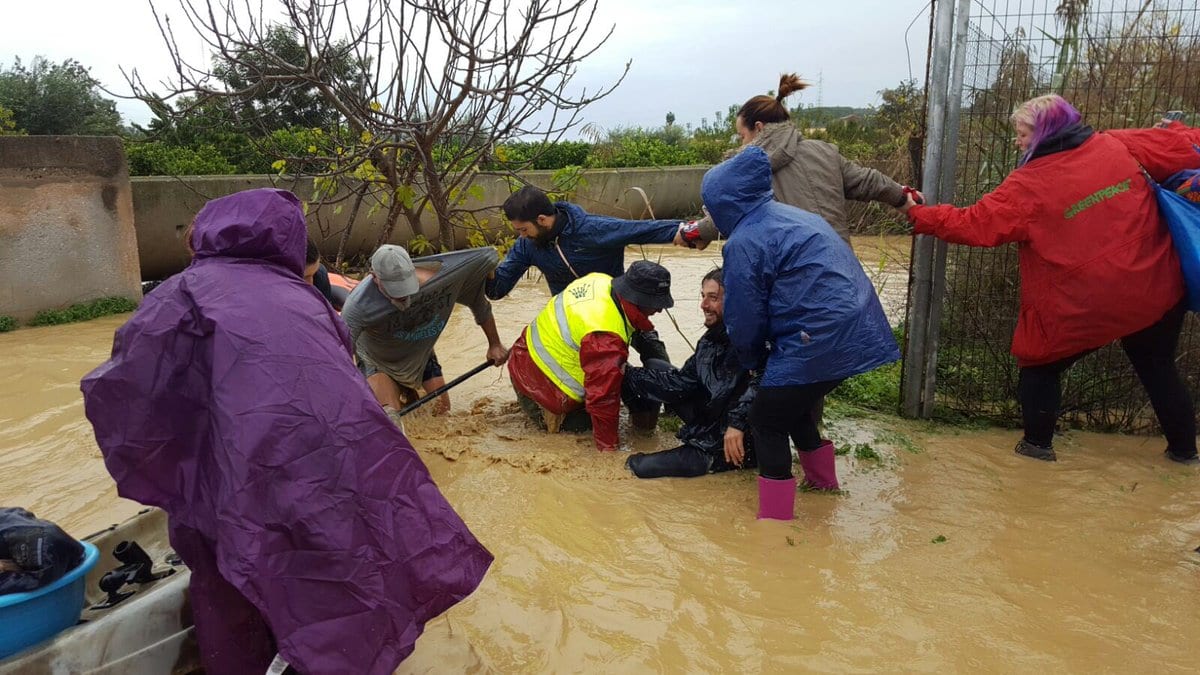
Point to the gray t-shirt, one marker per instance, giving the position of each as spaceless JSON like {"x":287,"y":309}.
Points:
{"x":399,"y":341}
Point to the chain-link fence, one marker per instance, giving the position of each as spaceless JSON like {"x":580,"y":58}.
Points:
{"x":1123,"y":63}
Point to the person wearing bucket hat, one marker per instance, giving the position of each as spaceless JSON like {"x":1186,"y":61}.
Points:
{"x":397,"y":314}
{"x":570,"y":361}
{"x":645,"y":284}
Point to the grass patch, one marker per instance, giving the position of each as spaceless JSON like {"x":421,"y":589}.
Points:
{"x":940,"y":539}
{"x":84,"y":311}
{"x":863,"y":452}
{"x":899,"y":440}
{"x":7,"y":323}
{"x":877,"y":389}
{"x":669,"y":424}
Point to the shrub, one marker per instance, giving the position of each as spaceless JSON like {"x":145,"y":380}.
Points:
{"x":543,"y":155}
{"x":639,"y":148}
{"x":84,"y":311}
{"x":7,"y":323}
{"x":158,"y":159}
{"x":877,"y":389}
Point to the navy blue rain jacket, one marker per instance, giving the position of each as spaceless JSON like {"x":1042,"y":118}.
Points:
{"x":591,"y":243}
{"x":798,"y":306}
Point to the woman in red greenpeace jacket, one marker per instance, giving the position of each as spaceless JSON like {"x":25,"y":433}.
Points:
{"x":1097,"y":264}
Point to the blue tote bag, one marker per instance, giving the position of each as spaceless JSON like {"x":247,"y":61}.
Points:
{"x":1183,"y":220}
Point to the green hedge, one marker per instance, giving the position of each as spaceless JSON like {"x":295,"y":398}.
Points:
{"x":158,"y":159}
{"x":84,"y":311}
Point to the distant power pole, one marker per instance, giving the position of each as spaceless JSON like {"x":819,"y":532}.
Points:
{"x":820,"y":88}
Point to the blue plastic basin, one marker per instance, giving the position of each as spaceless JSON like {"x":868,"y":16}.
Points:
{"x":29,"y":618}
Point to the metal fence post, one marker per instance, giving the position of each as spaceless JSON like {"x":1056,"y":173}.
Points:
{"x":920,"y":284}
{"x":946,"y":186}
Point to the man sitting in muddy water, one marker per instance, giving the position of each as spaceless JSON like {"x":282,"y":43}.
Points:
{"x":567,"y":365}
{"x":566,"y":243}
{"x":711,"y":394}
{"x":397,"y":313}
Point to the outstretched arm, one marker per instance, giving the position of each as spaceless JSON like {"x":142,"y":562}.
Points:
{"x":665,"y":386}
{"x":863,"y":184}
{"x":1002,"y":216}
{"x":618,"y":233}
{"x":504,"y":277}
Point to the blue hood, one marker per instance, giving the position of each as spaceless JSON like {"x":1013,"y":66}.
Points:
{"x":736,"y":187}
{"x":798,"y":306}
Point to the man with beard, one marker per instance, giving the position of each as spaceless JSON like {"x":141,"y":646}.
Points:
{"x":397,"y":313}
{"x":566,"y":243}
{"x":711,"y":394}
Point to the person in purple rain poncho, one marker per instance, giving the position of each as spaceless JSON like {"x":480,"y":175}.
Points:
{"x":310,"y":525}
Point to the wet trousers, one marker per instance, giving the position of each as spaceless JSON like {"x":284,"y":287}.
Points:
{"x":233,"y":636}
{"x":1152,"y":353}
{"x":782,"y":413}
{"x":686,"y":461}
{"x":578,"y":420}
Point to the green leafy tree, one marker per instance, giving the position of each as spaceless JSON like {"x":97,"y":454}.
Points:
{"x":8,"y":125}
{"x":900,"y":114}
{"x":272,"y":100}
{"x":56,"y":98}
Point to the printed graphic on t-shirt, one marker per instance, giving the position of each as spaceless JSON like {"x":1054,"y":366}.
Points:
{"x":422,"y":320}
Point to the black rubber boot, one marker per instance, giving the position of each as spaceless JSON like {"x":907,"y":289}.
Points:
{"x":1028,"y":449}
{"x":645,"y":421}
{"x":1191,"y":460}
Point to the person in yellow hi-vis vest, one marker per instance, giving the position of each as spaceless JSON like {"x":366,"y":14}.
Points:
{"x":573,"y":355}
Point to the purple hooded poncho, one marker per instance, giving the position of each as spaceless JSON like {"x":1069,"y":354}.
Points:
{"x":309,"y":523}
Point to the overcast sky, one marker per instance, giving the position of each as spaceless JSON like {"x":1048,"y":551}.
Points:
{"x":690,"y":58}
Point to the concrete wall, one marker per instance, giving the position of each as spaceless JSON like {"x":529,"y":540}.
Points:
{"x":66,"y":223}
{"x":163,"y":206}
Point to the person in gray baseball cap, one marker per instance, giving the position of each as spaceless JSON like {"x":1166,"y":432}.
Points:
{"x":397,"y":314}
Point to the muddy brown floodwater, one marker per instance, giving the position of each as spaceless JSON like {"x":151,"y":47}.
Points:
{"x":949,"y":554}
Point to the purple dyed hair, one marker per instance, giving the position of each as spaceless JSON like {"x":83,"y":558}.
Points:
{"x":1046,"y":115}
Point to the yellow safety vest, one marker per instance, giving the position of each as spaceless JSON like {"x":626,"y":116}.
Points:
{"x":586,"y":306}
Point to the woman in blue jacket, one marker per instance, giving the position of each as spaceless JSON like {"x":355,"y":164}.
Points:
{"x":800,"y":310}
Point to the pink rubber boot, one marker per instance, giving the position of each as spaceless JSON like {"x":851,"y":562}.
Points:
{"x":776,"y":498}
{"x":820,"y":472}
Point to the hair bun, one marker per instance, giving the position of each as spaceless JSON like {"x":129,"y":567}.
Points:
{"x":789,"y":83}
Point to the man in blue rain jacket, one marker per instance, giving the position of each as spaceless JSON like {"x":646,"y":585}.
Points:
{"x":565,"y":243}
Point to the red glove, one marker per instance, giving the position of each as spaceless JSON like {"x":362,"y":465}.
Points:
{"x":690,"y":234}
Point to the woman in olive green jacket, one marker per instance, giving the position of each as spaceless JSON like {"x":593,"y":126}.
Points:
{"x":807,"y":174}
